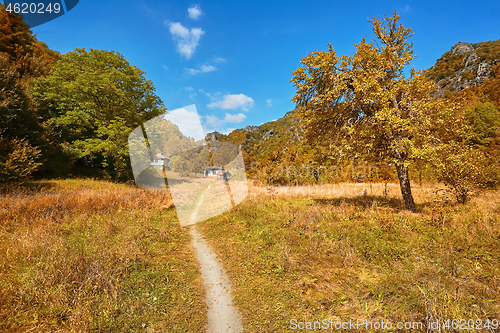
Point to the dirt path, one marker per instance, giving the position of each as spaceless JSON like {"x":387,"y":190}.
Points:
{"x":222,"y":315}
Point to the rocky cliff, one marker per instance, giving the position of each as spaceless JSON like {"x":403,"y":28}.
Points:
{"x":464,"y":66}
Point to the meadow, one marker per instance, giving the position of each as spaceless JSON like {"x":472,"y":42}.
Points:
{"x":349,"y":251}
{"x":92,"y":256}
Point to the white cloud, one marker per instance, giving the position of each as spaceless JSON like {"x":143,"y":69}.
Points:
{"x":269,"y":102}
{"x":165,"y":67}
{"x":234,"y":118}
{"x":192,"y":95}
{"x":188,"y":121}
{"x":194,"y":12}
{"x":203,"y":69}
{"x":214,"y":121}
{"x":219,"y":60}
{"x":218,"y":124}
{"x":187,"y":39}
{"x":233,"y":102}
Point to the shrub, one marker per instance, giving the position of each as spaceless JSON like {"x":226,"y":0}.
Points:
{"x":18,"y":160}
{"x":462,"y":169}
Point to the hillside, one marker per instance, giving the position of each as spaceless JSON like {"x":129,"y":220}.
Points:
{"x":261,"y":145}
{"x":465,"y":65}
{"x":265,"y":139}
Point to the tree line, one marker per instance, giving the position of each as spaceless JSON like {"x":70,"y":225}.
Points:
{"x":67,"y":114}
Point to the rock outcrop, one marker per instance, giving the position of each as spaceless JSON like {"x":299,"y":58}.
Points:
{"x":461,"y":48}
{"x":268,"y":135}
{"x":250,"y":128}
{"x":213,"y":136}
{"x":470,"y":65}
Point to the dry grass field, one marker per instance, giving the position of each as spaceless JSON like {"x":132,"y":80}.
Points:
{"x":348,"y":251}
{"x":92,"y":256}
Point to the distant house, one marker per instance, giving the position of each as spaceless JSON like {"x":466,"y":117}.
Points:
{"x":216,"y":171}
{"x":210,"y":171}
{"x":159,"y":161}
{"x":223,"y":175}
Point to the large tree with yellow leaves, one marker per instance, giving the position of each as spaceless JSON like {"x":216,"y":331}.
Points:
{"x":366,"y":104}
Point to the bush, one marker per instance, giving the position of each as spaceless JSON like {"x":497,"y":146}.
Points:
{"x":18,"y":160}
{"x":462,"y":169}
{"x":484,"y":119}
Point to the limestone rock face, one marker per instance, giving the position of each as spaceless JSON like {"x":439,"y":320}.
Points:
{"x":461,"y":48}
{"x":473,"y":58}
{"x":268,"y":135}
{"x":213,"y":136}
{"x":483,"y":70}
{"x":250,"y":128}
{"x":471,"y":65}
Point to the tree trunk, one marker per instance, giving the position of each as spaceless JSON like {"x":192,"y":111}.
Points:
{"x":404,"y":183}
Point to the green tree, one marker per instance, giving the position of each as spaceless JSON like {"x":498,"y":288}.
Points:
{"x":365,"y":103}
{"x":180,"y":164}
{"x":95,"y":99}
{"x":484,"y":119}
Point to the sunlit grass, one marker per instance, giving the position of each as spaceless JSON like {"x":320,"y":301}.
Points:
{"x":340,"y":256}
{"x":93,"y":256}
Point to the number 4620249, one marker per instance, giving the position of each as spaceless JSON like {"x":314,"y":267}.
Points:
{"x":33,"y":8}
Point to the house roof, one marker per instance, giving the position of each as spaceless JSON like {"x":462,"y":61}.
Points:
{"x":159,"y":156}
{"x":213,"y":168}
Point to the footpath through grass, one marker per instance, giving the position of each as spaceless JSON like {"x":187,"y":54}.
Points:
{"x":359,"y":257}
{"x":89,"y":256}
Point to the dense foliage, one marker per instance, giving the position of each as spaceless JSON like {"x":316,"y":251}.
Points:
{"x":25,"y":143}
{"x":70,"y":113}
{"x":95,"y":99}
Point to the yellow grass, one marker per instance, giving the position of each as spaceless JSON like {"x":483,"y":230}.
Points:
{"x":83,"y":255}
{"x":346,"y":251}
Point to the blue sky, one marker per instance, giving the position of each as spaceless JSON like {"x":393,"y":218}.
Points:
{"x":234,"y":59}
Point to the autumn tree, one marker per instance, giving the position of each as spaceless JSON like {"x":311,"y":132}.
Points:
{"x":94,"y":100}
{"x":365,"y":103}
{"x":16,"y":38}
{"x":25,"y":144}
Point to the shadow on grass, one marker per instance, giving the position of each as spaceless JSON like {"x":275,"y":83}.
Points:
{"x":371,"y":201}
{"x":151,"y":178}
{"x":158,"y":182}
